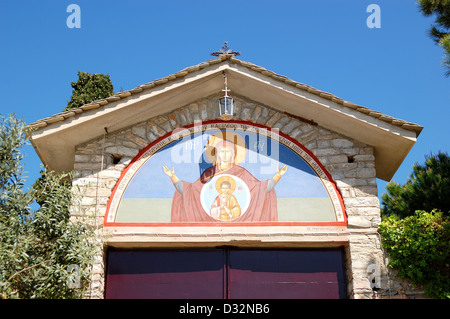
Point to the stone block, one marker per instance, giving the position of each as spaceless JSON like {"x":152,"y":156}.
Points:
{"x":326,"y":152}
{"x":337,"y":159}
{"x":256,"y":113}
{"x":356,"y":221}
{"x":342,"y":143}
{"x":246,"y":114}
{"x":290,"y":125}
{"x":366,"y":172}
{"x":139,"y":131}
{"x":83,"y":158}
{"x":323,"y":144}
{"x":122,"y":150}
{"x":109,"y":174}
{"x":275,"y":117}
{"x":362,"y":201}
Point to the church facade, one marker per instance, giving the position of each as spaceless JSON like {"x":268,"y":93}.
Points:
{"x":279,"y":200}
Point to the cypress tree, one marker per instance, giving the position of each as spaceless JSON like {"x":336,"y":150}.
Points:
{"x":88,"y":88}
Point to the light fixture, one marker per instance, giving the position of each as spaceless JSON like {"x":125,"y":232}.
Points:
{"x":226,"y":103}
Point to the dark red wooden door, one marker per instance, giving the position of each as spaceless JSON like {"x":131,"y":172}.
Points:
{"x":165,"y":274}
{"x":225,"y":273}
{"x":285,"y":274}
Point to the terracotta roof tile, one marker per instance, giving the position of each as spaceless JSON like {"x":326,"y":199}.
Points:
{"x":122,"y":95}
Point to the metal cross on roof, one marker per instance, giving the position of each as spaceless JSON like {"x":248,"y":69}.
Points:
{"x":225,"y":50}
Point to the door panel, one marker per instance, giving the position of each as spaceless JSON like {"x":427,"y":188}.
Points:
{"x":225,"y":273}
{"x":165,"y":274}
{"x":285,"y":274}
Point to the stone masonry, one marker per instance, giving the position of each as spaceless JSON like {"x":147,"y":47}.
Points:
{"x":100,"y":162}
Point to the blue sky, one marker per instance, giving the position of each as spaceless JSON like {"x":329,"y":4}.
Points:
{"x":395,"y":69}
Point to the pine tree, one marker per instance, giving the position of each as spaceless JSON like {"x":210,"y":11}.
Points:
{"x":440,"y":31}
{"x":427,"y":188}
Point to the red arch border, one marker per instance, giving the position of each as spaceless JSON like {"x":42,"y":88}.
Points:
{"x":225,"y":224}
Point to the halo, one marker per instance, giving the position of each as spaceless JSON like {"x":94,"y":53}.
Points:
{"x":225,"y":179}
{"x":236,"y":139}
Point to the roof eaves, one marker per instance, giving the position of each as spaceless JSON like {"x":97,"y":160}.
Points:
{"x":224,"y":57}
{"x":59,"y":117}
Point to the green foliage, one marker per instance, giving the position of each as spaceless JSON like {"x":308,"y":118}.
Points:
{"x":418,"y":248}
{"x":440,"y":31}
{"x":38,"y":247}
{"x":416,"y":226}
{"x":12,"y":199}
{"x":427,"y":188}
{"x":88,"y":88}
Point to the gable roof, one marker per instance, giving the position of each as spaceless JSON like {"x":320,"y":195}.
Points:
{"x":55,"y":137}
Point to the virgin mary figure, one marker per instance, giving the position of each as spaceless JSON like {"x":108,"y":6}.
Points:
{"x":227,"y":150}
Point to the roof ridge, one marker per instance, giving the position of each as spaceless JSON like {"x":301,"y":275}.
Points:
{"x":62,"y":116}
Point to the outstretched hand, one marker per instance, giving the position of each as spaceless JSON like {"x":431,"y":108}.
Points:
{"x":169,"y":172}
{"x":282,"y":170}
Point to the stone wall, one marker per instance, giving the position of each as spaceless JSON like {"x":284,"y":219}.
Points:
{"x":99,"y":164}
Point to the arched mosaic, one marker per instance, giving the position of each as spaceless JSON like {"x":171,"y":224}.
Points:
{"x":225,"y":173}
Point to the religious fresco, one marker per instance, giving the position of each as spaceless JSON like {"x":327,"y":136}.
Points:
{"x":224,"y":172}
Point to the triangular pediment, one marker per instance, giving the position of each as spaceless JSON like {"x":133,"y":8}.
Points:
{"x":56,"y":137}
